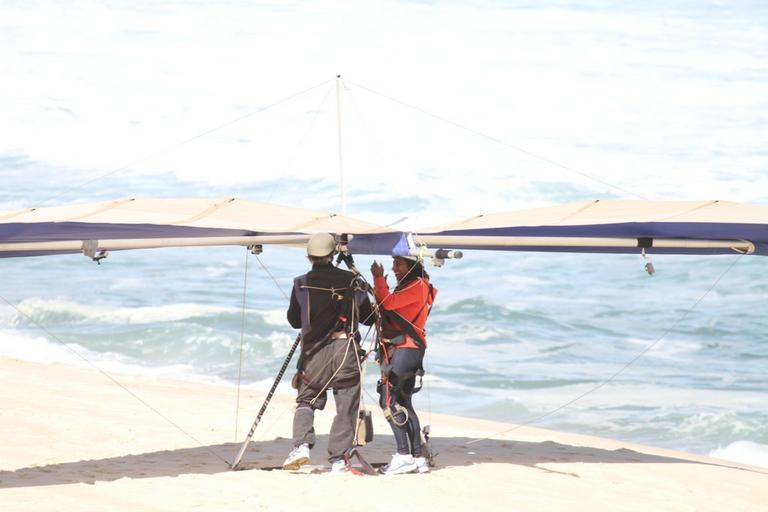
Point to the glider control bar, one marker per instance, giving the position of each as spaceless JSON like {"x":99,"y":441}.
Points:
{"x":480,"y":242}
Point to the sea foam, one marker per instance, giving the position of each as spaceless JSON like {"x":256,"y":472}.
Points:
{"x":746,"y":452}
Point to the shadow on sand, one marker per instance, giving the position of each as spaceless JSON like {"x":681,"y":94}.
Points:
{"x":268,"y":455}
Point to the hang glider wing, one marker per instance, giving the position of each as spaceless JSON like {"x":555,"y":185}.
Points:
{"x":153,"y":223}
{"x":658,"y":227}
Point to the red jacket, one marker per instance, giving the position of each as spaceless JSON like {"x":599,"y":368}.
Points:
{"x":412,"y":303}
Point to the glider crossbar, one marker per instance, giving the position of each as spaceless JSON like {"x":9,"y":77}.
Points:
{"x":741,"y":246}
{"x":155,"y":243}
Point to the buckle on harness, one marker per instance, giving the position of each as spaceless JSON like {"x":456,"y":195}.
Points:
{"x":389,"y":414}
{"x":397,"y":340}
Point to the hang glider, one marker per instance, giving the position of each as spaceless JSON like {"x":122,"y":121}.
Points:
{"x":655,"y":227}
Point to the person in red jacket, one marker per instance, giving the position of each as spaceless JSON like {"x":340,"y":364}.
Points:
{"x":404,"y":314}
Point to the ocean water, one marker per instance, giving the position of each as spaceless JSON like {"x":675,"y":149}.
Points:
{"x":448,"y":110}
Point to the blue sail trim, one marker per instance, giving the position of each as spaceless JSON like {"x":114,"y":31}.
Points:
{"x":60,"y":231}
{"x":20,"y":232}
{"x":755,"y":233}
{"x":692,"y":230}
{"x":395,"y":243}
{"x":375,"y":244}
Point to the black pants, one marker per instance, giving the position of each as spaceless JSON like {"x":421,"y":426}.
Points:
{"x":404,"y":362}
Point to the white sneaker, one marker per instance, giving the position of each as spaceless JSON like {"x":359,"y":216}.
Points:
{"x":422,"y":466}
{"x":339,"y":466}
{"x":297,"y":458}
{"x":401,"y":464}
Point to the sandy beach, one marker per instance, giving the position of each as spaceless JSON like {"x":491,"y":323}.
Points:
{"x":75,"y":440}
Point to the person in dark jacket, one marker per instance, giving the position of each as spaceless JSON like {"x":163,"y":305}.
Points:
{"x":327,"y":303}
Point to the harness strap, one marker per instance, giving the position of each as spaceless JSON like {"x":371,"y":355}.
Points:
{"x":366,"y":466}
{"x":324,"y":289}
{"x":338,"y":384}
{"x":301,"y":289}
{"x":408,"y":327}
{"x":418,"y":372}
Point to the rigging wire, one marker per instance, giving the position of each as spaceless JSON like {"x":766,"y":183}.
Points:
{"x":429,"y":395}
{"x":624,"y":367}
{"x":242,"y":341}
{"x":287,"y":298}
{"x":501,"y":142}
{"x":172,"y":147}
{"x":273,"y":277}
{"x":114,"y":380}
{"x":300,"y":143}
{"x":371,"y":164}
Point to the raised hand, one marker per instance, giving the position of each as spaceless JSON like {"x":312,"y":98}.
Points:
{"x":377,"y":269}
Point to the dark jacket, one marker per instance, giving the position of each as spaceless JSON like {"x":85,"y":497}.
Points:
{"x":324,"y":306}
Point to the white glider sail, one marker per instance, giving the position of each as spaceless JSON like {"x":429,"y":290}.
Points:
{"x":605,"y":226}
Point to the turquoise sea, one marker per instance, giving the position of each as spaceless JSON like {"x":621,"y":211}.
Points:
{"x":505,"y":105}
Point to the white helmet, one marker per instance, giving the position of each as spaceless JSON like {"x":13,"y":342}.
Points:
{"x":321,"y":245}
